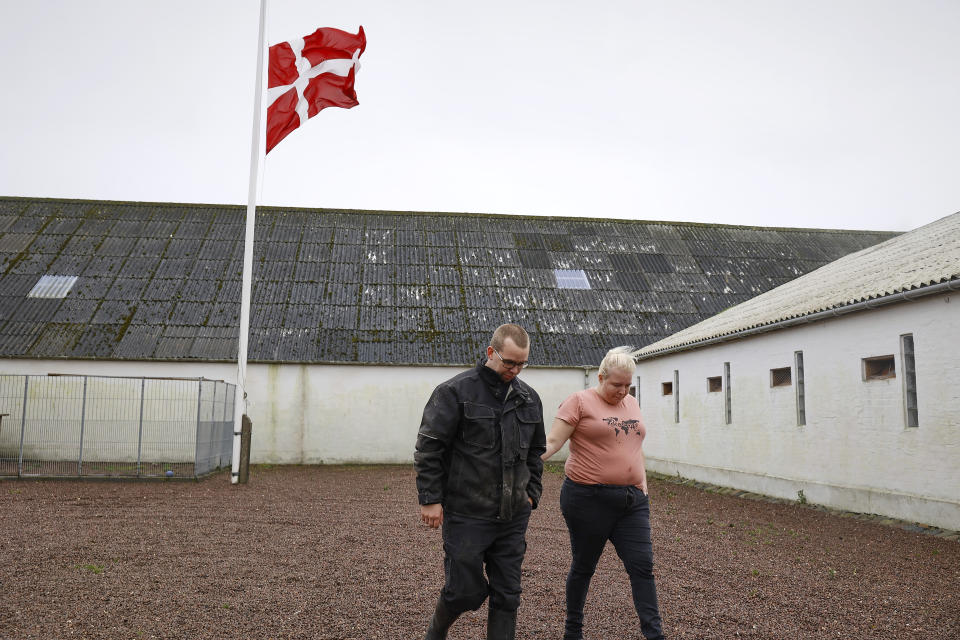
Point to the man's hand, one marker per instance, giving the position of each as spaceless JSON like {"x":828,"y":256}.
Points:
{"x":432,"y":514}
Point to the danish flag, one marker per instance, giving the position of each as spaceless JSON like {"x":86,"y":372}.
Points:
{"x":309,"y":74}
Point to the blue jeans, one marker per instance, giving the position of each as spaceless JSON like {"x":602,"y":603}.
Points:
{"x":620,"y":514}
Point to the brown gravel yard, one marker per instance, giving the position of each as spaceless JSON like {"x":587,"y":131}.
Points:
{"x":338,"y":553}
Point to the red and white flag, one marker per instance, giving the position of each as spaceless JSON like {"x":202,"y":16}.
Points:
{"x":310,"y":74}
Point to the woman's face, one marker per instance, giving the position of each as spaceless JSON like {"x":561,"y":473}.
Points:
{"x":615,"y":385}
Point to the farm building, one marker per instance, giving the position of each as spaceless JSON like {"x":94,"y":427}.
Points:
{"x":357,"y":315}
{"x":839,"y":387}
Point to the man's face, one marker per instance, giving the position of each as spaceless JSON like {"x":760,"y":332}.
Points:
{"x":510,"y":353}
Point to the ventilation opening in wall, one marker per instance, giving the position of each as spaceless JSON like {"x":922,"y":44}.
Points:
{"x":879,"y":368}
{"x":715,"y":384}
{"x":780,"y":377}
{"x":667,"y":388}
{"x":909,"y":361}
{"x":727,"y":412}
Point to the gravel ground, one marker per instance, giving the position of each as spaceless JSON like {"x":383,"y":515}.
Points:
{"x":339,"y":553}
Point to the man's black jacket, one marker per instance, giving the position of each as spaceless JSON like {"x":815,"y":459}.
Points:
{"x":478,"y":450}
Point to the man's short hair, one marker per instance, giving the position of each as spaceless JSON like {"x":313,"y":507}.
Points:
{"x":513,"y":331}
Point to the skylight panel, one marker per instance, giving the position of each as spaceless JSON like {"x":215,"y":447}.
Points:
{"x":52,"y":287}
{"x":571,"y":279}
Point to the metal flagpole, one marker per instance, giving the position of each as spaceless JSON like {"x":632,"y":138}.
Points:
{"x":256,"y":163}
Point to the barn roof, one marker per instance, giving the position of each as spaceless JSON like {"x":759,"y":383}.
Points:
{"x":912,"y":264}
{"x":161,"y":281}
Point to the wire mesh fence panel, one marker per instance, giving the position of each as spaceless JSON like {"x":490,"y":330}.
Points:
{"x":110,"y":424}
{"x":114,"y":426}
{"x":52,"y":426}
{"x":215,"y":428}
{"x":169,"y":428}
{"x":11,"y":403}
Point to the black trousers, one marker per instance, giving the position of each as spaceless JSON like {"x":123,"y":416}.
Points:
{"x":620,"y":514}
{"x":472,"y":544}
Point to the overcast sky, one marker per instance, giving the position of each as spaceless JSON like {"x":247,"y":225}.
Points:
{"x":806,"y":113}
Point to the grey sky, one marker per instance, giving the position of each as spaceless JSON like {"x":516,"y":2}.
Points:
{"x":810,"y":113}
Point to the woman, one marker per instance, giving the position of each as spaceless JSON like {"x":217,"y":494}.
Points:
{"x":604,"y":494}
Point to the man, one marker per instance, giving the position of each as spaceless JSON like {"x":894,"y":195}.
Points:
{"x":479,"y":475}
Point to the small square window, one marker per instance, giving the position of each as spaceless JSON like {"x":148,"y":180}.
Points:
{"x":780,"y":377}
{"x":667,"y":388}
{"x":715,"y":384}
{"x":878,"y":368}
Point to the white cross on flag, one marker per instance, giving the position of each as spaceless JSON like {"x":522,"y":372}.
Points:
{"x":309,"y":74}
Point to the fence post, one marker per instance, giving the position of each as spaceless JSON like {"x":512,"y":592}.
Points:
{"x":83,"y":422}
{"x":23,"y":426}
{"x":143,"y":382}
{"x":246,"y":426}
{"x":196,"y":438}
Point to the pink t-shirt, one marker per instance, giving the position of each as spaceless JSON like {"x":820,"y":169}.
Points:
{"x":605,"y":447}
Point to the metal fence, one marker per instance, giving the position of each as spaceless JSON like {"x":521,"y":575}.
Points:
{"x":103,"y":426}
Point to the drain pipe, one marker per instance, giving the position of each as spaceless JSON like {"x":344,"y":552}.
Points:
{"x":903,"y":296}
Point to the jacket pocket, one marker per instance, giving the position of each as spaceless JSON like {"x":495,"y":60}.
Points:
{"x":527,"y":419}
{"x":478,"y":425}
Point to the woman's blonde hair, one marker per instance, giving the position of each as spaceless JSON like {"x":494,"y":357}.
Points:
{"x":619,"y":359}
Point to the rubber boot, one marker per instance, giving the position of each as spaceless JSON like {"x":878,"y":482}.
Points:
{"x":440,"y":622}
{"x":501,"y":625}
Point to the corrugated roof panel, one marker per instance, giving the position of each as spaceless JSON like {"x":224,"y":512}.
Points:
{"x":138,"y":342}
{"x":34,"y":265}
{"x":74,"y":311}
{"x":8,"y":306}
{"x":98,"y":341}
{"x":114,"y":311}
{"x":918,"y":258}
{"x":270,"y":292}
{"x":377,"y":294}
{"x":177,"y":268}
{"x":199,"y":290}
{"x":444,"y":275}
{"x":129,"y":289}
{"x":156,"y":313}
{"x":209,"y":269}
{"x":413,"y":274}
{"x":442,"y":256}
{"x":534,"y":259}
{"x":341,"y":293}
{"x":56,"y":340}
{"x":339,"y":317}
{"x":48,"y":243}
{"x":17,"y":336}
{"x":412,"y":319}
{"x":52,"y":286}
{"x":302,"y":316}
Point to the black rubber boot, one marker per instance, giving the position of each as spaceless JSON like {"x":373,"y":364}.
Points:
{"x":440,"y":622}
{"x":501,"y":625}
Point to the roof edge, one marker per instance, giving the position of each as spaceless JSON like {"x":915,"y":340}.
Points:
{"x":908,"y":295}
{"x":241,"y":208}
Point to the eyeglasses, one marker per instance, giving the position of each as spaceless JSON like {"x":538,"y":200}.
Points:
{"x":510,"y":364}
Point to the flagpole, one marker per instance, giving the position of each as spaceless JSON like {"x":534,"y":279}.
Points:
{"x":256,"y":163}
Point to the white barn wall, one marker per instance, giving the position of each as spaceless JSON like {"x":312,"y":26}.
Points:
{"x":316,"y":414}
{"x":855,"y":451}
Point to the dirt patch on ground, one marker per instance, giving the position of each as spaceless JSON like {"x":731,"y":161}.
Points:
{"x":339,"y":553}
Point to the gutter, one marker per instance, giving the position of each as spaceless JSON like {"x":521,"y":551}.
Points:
{"x":903,"y":296}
